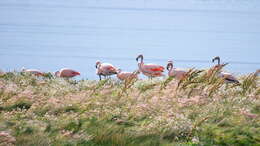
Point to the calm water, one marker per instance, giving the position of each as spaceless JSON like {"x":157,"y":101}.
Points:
{"x":51,"y":34}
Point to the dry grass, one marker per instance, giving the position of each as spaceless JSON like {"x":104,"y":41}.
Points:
{"x":198,"y":110}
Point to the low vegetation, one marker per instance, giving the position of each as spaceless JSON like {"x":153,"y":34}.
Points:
{"x":198,"y":110}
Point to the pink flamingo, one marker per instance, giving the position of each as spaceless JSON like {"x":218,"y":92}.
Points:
{"x":228,"y":77}
{"x":105,"y":69}
{"x":150,"y":70}
{"x":216,"y":67}
{"x":66,"y":73}
{"x":126,"y":75}
{"x":33,"y":71}
{"x":175,"y":72}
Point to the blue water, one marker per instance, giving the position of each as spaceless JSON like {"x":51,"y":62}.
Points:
{"x":51,"y":34}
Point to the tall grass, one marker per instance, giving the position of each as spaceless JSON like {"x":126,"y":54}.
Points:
{"x":200,"y":109}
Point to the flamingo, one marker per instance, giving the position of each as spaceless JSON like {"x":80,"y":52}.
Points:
{"x":216,"y":67}
{"x":105,"y":69}
{"x":150,"y":70}
{"x":175,"y":72}
{"x":33,"y":71}
{"x":228,"y":77}
{"x":126,"y":75}
{"x":66,"y":73}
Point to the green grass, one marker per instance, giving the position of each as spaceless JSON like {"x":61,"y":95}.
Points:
{"x":198,"y":110}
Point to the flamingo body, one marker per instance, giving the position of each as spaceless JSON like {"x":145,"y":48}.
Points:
{"x":67,"y":73}
{"x":123,"y":75}
{"x":150,"y":70}
{"x":215,"y":68}
{"x":33,"y":71}
{"x":175,"y":72}
{"x":105,"y":69}
{"x":228,"y":77}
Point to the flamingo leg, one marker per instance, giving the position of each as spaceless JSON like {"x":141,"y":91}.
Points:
{"x":100,"y":77}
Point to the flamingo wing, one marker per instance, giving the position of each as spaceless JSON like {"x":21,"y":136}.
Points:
{"x":107,"y":69}
{"x":75,"y":73}
{"x":154,"y":67}
{"x":111,"y":68}
{"x":229,"y":77}
{"x":34,"y":71}
{"x":126,"y":75}
{"x":66,"y":72}
{"x":157,"y":69}
{"x":177,"y":73}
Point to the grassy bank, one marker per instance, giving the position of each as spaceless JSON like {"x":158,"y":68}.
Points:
{"x":200,"y":110}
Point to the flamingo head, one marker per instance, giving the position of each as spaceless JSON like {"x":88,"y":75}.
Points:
{"x":169,"y":65}
{"x":216,"y":58}
{"x":140,"y":56}
{"x":97,"y":63}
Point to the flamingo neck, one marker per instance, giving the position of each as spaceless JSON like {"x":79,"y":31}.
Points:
{"x":217,"y":59}
{"x":140,"y":66}
{"x":170,"y":67}
{"x":142,"y":60}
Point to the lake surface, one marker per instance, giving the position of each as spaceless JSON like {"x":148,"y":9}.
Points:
{"x":51,"y":34}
